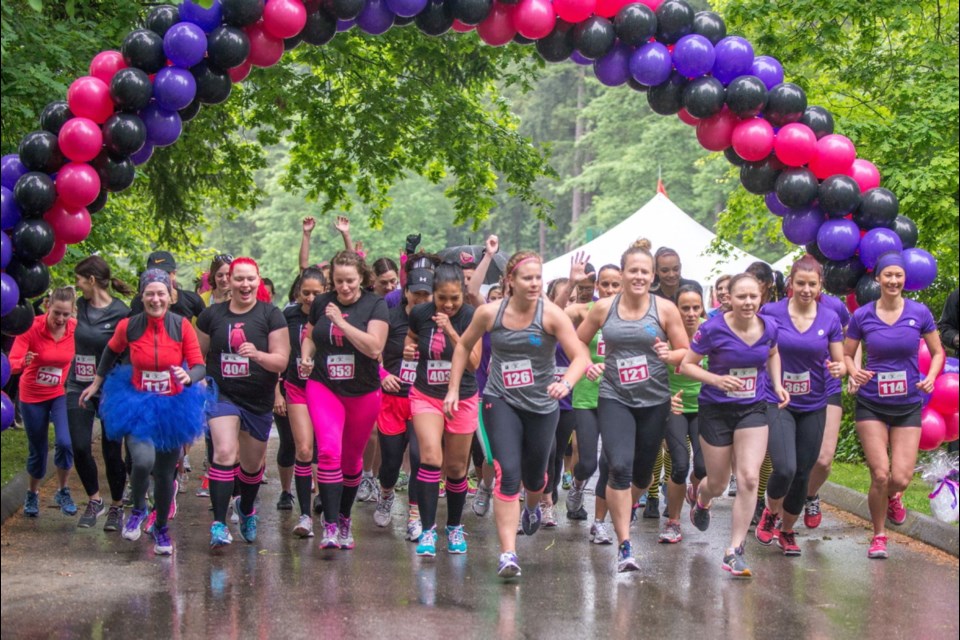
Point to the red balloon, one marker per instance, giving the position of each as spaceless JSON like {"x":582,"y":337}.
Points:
{"x":753,"y":139}
{"x":953,"y":428}
{"x":461,"y":27}
{"x":852,"y":304}
{"x":70,"y":226}
{"x":609,"y":8}
{"x":795,"y":145}
{"x":497,"y":28}
{"x":284,"y":18}
{"x":89,"y":97}
{"x":923,"y":357}
{"x":56,"y":254}
{"x":534,"y":19}
{"x":865,"y":173}
{"x":945,"y":398}
{"x":574,"y":11}
{"x":78,"y":184}
{"x":686,"y":118}
{"x":715,"y":133}
{"x":80,"y":139}
{"x":835,"y":154}
{"x":105,"y":64}
{"x":265,"y":50}
{"x":933,"y":429}
{"x":240,"y":72}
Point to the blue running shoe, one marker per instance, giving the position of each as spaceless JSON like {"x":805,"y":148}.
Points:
{"x":248,"y":523}
{"x":427,"y":546}
{"x":219,"y":535}
{"x":530,"y":520}
{"x":65,"y":501}
{"x":131,"y":528}
{"x":625,"y":560}
{"x":509,"y":566}
{"x":31,"y":505}
{"x":163,"y":544}
{"x":456,"y":542}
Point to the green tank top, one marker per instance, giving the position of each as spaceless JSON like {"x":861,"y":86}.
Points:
{"x":690,"y":387}
{"x":586,"y":392}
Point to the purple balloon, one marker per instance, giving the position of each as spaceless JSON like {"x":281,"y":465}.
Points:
{"x":185,"y":44}
{"x":877,"y":242}
{"x":952,"y":365}
{"x":578,"y":58}
{"x":206,"y":19}
{"x":4,"y":370}
{"x":693,"y":56}
{"x":406,"y":8}
{"x":768,"y":69}
{"x":375,"y":17}
{"x":921,"y":269}
{"x":838,"y":238}
{"x":174,"y":88}
{"x":10,"y":170}
{"x":651,"y":64}
{"x":6,"y":412}
{"x":345,"y":25}
{"x":9,"y":211}
{"x":613,"y":69}
{"x":734,"y":58}
{"x":163,"y":127}
{"x":6,"y":251}
{"x":141,"y":156}
{"x":801,"y":226}
{"x":774,"y":205}
{"x":9,"y":293}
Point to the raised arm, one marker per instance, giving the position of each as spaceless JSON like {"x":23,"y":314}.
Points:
{"x":491,"y":247}
{"x":308,"y":225}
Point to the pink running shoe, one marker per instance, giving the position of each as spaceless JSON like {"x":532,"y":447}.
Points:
{"x":896,"y":512}
{"x":878,"y":548}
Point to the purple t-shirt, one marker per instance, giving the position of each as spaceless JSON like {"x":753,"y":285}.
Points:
{"x":394,"y":298}
{"x":803,"y":356}
{"x":484,"y":369}
{"x":566,"y":403}
{"x":727,"y":354}
{"x":892,"y":351}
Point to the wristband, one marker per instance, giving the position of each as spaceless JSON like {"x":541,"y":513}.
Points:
{"x":567,"y":385}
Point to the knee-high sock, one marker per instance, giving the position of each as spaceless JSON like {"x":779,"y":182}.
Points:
{"x":456,"y":498}
{"x":302,"y":481}
{"x":222,"y":478}
{"x":349,"y":494}
{"x":428,"y":478}
{"x":249,"y":488}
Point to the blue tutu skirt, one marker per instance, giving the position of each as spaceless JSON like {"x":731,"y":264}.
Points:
{"x":169,"y":421}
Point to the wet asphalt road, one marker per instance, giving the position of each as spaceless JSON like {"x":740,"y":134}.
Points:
{"x":63,"y":582}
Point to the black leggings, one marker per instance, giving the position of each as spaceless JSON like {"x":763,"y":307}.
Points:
{"x":588,"y":439}
{"x":631,"y":440}
{"x":80,"y":421}
{"x":565,"y":426}
{"x":391,"y":459}
{"x":287,"y":451}
{"x":145,"y":459}
{"x":794,"y":446}
{"x":679,"y":429}
{"x":520,"y":442}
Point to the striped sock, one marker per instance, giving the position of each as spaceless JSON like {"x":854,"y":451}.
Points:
{"x":249,"y":488}
{"x":221,"y":479}
{"x":456,"y":498}
{"x":330,"y":486}
{"x":350,"y":486}
{"x":303,"y":481}
{"x":429,"y":480}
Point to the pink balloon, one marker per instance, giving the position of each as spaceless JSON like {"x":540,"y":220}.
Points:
{"x":933,"y":429}
{"x":284,"y":18}
{"x":715,"y":133}
{"x":240,"y":72}
{"x":534,"y":19}
{"x":56,"y":254}
{"x":89,"y":97}
{"x":80,"y":139}
{"x":78,"y":184}
{"x":265,"y":50}
{"x":105,"y":64}
{"x":461,"y":27}
{"x":945,"y":398}
{"x":70,"y":226}
{"x":795,"y":145}
{"x":835,"y":154}
{"x":953,"y":428}
{"x":686,"y":118}
{"x":865,"y":173}
{"x":753,"y":139}
{"x":574,"y":11}
{"x":497,"y":28}
{"x":923,"y":358}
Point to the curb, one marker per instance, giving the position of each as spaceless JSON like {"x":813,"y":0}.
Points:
{"x":11,"y":497}
{"x":926,"y":529}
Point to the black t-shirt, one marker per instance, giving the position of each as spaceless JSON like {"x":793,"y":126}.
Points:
{"x":94,"y":329}
{"x":296,"y":326}
{"x":189,"y":305}
{"x":683,"y":282}
{"x":338,"y":364}
{"x":436,"y":351}
{"x":241,"y":380}
{"x":393,"y":360}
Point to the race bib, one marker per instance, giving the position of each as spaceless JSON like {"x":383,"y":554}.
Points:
{"x":408,"y":371}
{"x":85,"y":368}
{"x":517,"y":374}
{"x":558,"y":373}
{"x":796,"y":384}
{"x":156,"y":381}
{"x":299,"y":371}
{"x":891,"y":384}
{"x":438,"y":372}
{"x":234,"y":366}
{"x":340,"y":367}
{"x":749,"y":379}
{"x":633,"y":370}
{"x":49,"y":376}
{"x":601,"y":345}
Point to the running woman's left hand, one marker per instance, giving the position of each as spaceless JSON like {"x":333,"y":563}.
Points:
{"x":782,"y":395}
{"x":451,"y":404}
{"x":926,"y":385}
{"x":181,"y":375}
{"x":662,"y":349}
{"x":835,"y":368}
{"x":558,"y":390}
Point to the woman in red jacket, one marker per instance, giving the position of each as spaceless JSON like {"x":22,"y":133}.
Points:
{"x":42,"y":357}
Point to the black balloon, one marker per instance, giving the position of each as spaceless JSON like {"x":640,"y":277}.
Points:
{"x":814,"y":249}
{"x":437,"y":18}
{"x":32,"y":277}
{"x":867,"y":290}
{"x":403,"y":21}
{"x":19,"y":320}
{"x":124,"y":134}
{"x":878,"y":208}
{"x":213,"y":85}
{"x":733,"y":158}
{"x":54,"y":116}
{"x":190,"y":111}
{"x":116,"y":174}
{"x":97,"y":205}
{"x":635,"y":24}
{"x":637,"y":86}
{"x":674,"y":20}
{"x":290,"y":44}
{"x":320,"y":28}
{"x":785,"y":104}
{"x":227,"y":47}
{"x":710,"y":25}
{"x":594,"y":37}
{"x":667,"y":98}
{"x":839,"y":195}
{"x":161,"y":18}
{"x":241,"y":13}
{"x":558,"y":45}
{"x":471,"y":11}
{"x":819,"y":120}
{"x":131,"y":89}
{"x":34,"y":194}
{"x":703,"y":97}
{"x":40,"y":151}
{"x":521,"y":40}
{"x":143,"y":49}
{"x":746,"y":96}
{"x":32,"y":239}
{"x":797,"y":188}
{"x":840,"y":277}
{"x":760,"y":178}
{"x":907,"y":230}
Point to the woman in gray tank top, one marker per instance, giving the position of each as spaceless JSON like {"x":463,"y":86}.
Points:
{"x":520,"y":409}
{"x":634,"y":399}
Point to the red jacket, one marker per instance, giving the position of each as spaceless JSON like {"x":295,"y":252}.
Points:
{"x":44,"y":378}
{"x":156,"y":351}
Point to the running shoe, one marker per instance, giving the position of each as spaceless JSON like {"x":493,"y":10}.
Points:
{"x":509,"y":566}
{"x":758,"y":512}
{"x":285,"y":502}
{"x":65,"y":501}
{"x":163,"y":545}
{"x":671,"y":532}
{"x":471,"y":486}
{"x":878,"y":548}
{"x":114,"y":520}
{"x":481,"y":501}
{"x":787,"y":541}
{"x":367,"y":490}
{"x":642,"y":501}
{"x":345,"y":533}
{"x":443,"y":490}
{"x":456,"y":539}
{"x":600,"y":533}
{"x":691,"y":495}
{"x":530,"y":521}
{"x":625,"y":560}
{"x":811,"y":513}
{"x":317,"y":504}
{"x":331,"y":535}
{"x":700,"y":516}
{"x":219,"y":535}
{"x":403,"y":480}
{"x":896,"y":512}
{"x":566,"y":481}
{"x":651,"y":510}
{"x":384,"y":513}
{"x":579,"y":514}
{"x":736,"y":564}
{"x":95,"y":509}
{"x":31,"y":505}
{"x":732,"y":487}
{"x":766,"y":529}
{"x":264,"y":479}
{"x":186,"y":464}
{"x":128,"y":496}
{"x":182,"y":482}
{"x":203,"y":491}
{"x":427,"y":546}
{"x":414,"y":529}
{"x":549,"y":516}
{"x":248,"y":523}
{"x":234,"y":516}
{"x":151,"y":520}
{"x":575,"y":497}
{"x":131,"y":528}
{"x":304,"y":528}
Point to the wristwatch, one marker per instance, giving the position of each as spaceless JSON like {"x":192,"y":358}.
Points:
{"x":567,"y":384}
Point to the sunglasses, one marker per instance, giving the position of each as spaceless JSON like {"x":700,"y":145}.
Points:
{"x":223,"y":257}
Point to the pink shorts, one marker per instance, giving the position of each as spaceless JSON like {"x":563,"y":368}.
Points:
{"x":394,"y":414}
{"x":295,"y":394}
{"x":464,"y":420}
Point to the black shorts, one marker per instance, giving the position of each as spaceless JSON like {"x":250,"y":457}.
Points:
{"x":258,"y":425}
{"x":834,"y":400}
{"x":890,"y":415}
{"x":719,"y":421}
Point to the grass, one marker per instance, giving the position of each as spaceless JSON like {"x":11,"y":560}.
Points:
{"x":857,"y":477}
{"x":13,"y":453}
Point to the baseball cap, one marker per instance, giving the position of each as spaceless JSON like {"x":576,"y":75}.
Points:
{"x":420,"y":280}
{"x":162,"y":260}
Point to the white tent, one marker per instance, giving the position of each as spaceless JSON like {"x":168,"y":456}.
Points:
{"x":665,"y":225}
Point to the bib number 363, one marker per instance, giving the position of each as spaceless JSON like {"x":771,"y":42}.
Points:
{"x":796,"y":384}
